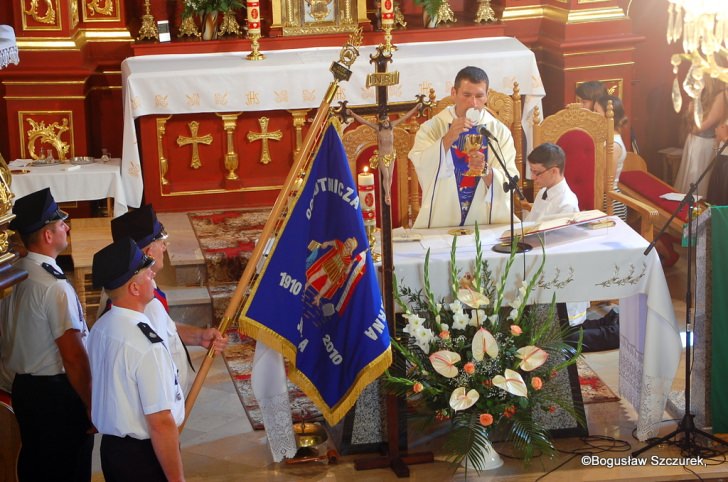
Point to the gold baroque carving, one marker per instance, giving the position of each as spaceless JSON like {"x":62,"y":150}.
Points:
{"x":50,"y":134}
{"x":34,"y":11}
{"x":94,"y":7}
{"x":195,"y":140}
{"x":575,"y":115}
{"x":264,"y":136}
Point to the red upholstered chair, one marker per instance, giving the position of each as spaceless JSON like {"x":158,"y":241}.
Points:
{"x":360,"y":143}
{"x":588,"y":141}
{"x":638,"y":183}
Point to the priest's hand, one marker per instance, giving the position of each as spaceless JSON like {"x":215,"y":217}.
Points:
{"x":458,"y":126}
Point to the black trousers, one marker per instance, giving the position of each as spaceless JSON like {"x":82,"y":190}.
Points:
{"x":54,"y":428}
{"x":126,"y":459}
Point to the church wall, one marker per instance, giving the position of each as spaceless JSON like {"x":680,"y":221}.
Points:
{"x":76,"y":69}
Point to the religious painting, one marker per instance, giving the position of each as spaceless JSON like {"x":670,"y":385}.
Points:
{"x":307,"y":17}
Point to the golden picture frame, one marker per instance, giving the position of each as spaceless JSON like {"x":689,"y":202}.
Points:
{"x":310,"y":17}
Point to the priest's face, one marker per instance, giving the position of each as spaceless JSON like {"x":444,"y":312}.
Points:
{"x":469,"y":95}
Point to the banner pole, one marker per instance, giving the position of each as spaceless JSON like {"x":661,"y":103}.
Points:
{"x":340,"y":71}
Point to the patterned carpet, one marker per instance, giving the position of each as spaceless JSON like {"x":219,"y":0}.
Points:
{"x":593,"y":389}
{"x":227,"y":239}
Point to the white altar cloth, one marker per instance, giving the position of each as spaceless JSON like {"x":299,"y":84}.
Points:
{"x":87,"y":183}
{"x":298,"y":79}
{"x":581,"y":265}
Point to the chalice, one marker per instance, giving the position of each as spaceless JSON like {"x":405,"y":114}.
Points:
{"x":473,"y":142}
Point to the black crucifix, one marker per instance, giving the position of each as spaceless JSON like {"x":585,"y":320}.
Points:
{"x":382,"y":80}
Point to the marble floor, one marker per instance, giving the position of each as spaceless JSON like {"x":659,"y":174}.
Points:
{"x":218,"y":443}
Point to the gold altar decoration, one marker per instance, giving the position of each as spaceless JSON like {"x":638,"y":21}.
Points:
{"x":264,"y":136}
{"x":473,"y":142}
{"x":149,"y":26}
{"x":229,"y":25}
{"x":47,"y":134}
{"x":399,"y":17}
{"x":94,"y":7}
{"x":195,"y":140}
{"x":299,"y":120}
{"x":307,"y":17}
{"x":485,"y":12}
{"x":445,"y":13}
{"x":188,"y":28}
{"x":703,"y":27}
{"x":163,"y":163}
{"x":229,"y":123}
{"x":254,"y":47}
{"x":48,"y":17}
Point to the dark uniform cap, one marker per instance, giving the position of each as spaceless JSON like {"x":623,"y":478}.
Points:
{"x":34,"y":211}
{"x":141,"y":225}
{"x":115,"y":264}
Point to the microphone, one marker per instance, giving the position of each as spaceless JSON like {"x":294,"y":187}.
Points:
{"x":486,"y":133}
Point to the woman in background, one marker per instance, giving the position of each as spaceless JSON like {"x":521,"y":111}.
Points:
{"x":698,"y":151}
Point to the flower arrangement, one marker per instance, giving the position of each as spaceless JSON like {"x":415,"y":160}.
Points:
{"x":483,"y":362}
{"x":202,"y":7}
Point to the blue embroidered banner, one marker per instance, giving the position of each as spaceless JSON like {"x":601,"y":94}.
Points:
{"x":317,"y":299}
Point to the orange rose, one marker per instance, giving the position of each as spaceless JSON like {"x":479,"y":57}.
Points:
{"x":537,"y":383}
{"x":417,"y":387}
{"x":486,"y":419}
{"x":445,"y":335}
{"x":516,"y":330}
{"x":469,"y":368}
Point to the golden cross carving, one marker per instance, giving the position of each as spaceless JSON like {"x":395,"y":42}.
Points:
{"x":195,"y":141}
{"x":263,"y":136}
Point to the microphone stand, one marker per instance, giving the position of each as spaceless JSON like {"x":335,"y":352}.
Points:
{"x":686,"y":426}
{"x":510,"y":186}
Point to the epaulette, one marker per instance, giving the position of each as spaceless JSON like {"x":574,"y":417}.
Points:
{"x":56,"y":274}
{"x":149,"y":333}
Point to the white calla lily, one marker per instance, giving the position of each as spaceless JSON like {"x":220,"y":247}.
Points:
{"x":459,"y":400}
{"x":512,"y":382}
{"x":484,"y":342}
{"x":444,"y":361}
{"x":473,"y":299}
{"x":531,"y":357}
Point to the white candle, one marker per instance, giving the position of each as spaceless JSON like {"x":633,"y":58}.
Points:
{"x":387,"y":12}
{"x":253,"y":8}
{"x":365,"y":180}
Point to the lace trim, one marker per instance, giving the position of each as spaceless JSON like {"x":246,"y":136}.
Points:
{"x":9,"y":55}
{"x":276,"y":411}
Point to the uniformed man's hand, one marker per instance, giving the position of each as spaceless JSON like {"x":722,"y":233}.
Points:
{"x":458,"y":126}
{"x":212,"y":337}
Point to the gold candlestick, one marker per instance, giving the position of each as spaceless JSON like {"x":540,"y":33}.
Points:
{"x":388,"y":47}
{"x":371,"y":231}
{"x":149,"y":26}
{"x":255,"y":53}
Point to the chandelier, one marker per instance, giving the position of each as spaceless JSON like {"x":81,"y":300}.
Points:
{"x":703,"y":27}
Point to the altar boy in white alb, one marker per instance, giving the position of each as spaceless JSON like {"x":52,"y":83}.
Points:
{"x":546,"y":163}
{"x":441,"y":160}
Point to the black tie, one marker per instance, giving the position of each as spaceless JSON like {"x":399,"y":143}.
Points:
{"x":545,"y":194}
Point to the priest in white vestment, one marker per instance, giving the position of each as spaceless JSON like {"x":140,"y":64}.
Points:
{"x":449,"y":196}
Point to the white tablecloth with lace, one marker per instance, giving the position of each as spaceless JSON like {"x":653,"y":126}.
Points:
{"x":8,"y":47}
{"x":581,"y":265}
{"x":298,"y":78}
{"x":83,"y":183}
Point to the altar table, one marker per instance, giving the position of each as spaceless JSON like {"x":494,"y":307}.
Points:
{"x":87,"y":183}
{"x":297,"y":79}
{"x":581,"y":265}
